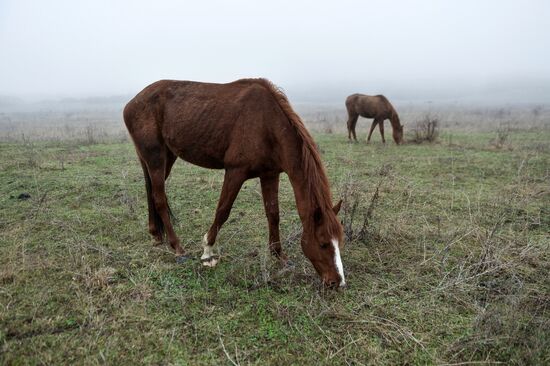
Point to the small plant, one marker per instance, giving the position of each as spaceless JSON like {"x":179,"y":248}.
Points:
{"x":426,"y":129}
{"x":502,"y":138}
{"x":90,"y":135}
{"x":30,"y":149}
{"x":354,"y":210}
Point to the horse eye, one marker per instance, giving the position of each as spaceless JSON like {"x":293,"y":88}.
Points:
{"x":324,"y":245}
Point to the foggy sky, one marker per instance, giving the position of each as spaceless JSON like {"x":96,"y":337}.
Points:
{"x":429,"y":48}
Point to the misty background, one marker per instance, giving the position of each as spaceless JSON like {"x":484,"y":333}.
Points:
{"x":319,"y":52}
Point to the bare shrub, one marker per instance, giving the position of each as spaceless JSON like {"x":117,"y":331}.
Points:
{"x":426,"y":129}
{"x":498,"y":278}
{"x":90,"y":135}
{"x":93,"y":134}
{"x":501,"y":139}
{"x":350,"y":212}
{"x":30,"y":152}
{"x":356,"y":215}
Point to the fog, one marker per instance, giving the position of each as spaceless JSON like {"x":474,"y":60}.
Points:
{"x":318,"y":51}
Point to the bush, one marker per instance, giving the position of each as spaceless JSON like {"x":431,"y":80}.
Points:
{"x":501,"y":138}
{"x":356,"y":214}
{"x":426,"y":129}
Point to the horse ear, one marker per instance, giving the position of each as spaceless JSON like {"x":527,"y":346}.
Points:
{"x":318,"y":215}
{"x":337,"y":207}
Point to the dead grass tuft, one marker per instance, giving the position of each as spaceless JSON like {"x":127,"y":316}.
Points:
{"x":99,"y":279}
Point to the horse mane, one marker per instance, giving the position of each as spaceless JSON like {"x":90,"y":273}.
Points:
{"x":395,"y":121}
{"x":394,"y":117}
{"x":311,"y":163}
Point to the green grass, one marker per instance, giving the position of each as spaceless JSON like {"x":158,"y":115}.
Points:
{"x":453,"y":266}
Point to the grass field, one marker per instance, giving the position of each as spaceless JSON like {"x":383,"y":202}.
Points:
{"x":450,"y":267}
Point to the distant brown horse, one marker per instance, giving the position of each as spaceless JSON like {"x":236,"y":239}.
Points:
{"x":248,"y":128}
{"x":377,"y":107}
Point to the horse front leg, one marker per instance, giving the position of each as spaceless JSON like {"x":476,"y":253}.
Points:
{"x":372,"y":126}
{"x":232,"y":183}
{"x":270,"y":194}
{"x":381,"y":127}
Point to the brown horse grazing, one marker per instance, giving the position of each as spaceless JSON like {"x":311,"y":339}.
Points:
{"x":248,"y":128}
{"x":377,"y":107}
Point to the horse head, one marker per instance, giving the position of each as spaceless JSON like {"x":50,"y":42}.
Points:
{"x":321,"y":242}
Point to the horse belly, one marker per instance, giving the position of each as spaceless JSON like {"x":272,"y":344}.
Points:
{"x":202,"y":160}
{"x":197,"y":146}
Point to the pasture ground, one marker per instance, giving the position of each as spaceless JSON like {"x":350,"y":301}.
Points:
{"x":452,"y":266}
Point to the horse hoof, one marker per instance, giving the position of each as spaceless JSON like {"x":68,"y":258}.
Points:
{"x":181,"y":259}
{"x":210,"y":262}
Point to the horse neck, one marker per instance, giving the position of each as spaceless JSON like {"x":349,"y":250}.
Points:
{"x":304,"y":203}
{"x":394,"y":120}
{"x":310,"y":185}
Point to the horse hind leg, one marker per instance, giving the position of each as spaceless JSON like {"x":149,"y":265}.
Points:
{"x":169,"y":163}
{"x":157,"y":172}
{"x":156,"y":226}
{"x":157,"y":161}
{"x":353,"y":125}
{"x":352,"y":122}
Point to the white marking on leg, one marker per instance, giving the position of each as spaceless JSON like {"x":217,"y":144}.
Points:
{"x":207,"y":256}
{"x":208,"y":252}
{"x":338,"y":262}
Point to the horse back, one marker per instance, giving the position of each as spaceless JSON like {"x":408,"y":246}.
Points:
{"x":369,"y":106}
{"x":210,"y":125}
